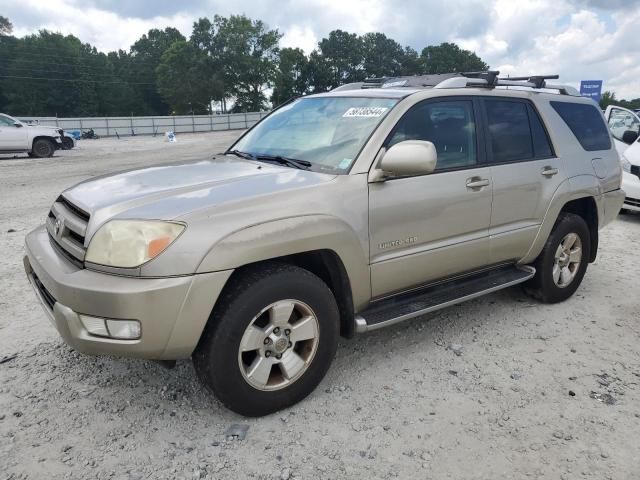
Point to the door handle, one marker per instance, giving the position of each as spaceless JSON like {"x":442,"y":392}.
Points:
{"x":549,"y":171}
{"x":477,"y":182}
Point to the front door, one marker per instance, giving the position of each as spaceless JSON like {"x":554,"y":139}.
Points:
{"x":428,"y":227}
{"x":12,"y":137}
{"x":621,"y":120}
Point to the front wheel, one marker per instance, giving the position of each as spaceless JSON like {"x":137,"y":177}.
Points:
{"x":270,"y":340}
{"x":563,"y":261}
{"x":42,"y":148}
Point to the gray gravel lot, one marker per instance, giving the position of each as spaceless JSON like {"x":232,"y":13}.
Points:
{"x":500,"y":387}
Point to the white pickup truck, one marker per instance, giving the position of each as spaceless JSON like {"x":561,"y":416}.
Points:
{"x":37,"y":141}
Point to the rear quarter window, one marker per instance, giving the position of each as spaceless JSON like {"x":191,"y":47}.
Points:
{"x":586,"y":123}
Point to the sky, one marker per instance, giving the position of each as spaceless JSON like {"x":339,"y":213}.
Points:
{"x":578,"y":39}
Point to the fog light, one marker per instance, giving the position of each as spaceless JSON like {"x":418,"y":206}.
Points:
{"x":94,"y":325}
{"x":124,"y":329}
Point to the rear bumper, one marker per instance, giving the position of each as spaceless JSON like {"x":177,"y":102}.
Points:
{"x":631,"y":186}
{"x":172,"y":311}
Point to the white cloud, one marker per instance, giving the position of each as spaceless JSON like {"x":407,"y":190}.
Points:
{"x":103,"y":29}
{"x":301,"y":37}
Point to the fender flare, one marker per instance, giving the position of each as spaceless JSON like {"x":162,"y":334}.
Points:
{"x":574,"y":188}
{"x":291,"y":235}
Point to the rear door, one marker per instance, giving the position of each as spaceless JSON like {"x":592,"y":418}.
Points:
{"x":427,"y":227}
{"x":525,"y":171}
{"x":621,"y":120}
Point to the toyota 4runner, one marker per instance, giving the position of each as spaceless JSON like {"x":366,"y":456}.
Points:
{"x":337,"y":214}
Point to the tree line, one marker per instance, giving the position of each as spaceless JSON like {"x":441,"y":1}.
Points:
{"x":234,"y":63}
{"x":609,"y":98}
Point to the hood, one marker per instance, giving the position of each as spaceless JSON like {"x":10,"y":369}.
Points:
{"x":170,"y":191}
{"x":44,"y":129}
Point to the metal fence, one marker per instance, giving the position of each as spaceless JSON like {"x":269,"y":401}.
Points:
{"x":123,"y":126}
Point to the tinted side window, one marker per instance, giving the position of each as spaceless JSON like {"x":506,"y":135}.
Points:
{"x":509,"y":132}
{"x":586,"y":123}
{"x":450,"y":126}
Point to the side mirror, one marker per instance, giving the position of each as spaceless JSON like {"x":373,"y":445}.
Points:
{"x":17,"y":125}
{"x":629,"y":136}
{"x":411,"y":157}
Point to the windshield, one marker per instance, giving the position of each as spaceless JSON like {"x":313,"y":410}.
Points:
{"x":326,"y":131}
{"x":8,"y":120}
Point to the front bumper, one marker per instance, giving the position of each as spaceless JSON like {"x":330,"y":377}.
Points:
{"x":631,"y":185}
{"x":172,"y":311}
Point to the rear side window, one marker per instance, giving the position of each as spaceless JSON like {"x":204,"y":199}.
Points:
{"x":515,"y":132}
{"x":586,"y":123}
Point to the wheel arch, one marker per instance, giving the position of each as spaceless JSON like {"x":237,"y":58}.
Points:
{"x":324,"y":245}
{"x":582,"y":204}
{"x":51,"y":140}
{"x":586,"y":208}
{"x":325,"y":264}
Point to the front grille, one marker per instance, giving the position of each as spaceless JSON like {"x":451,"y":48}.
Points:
{"x":44,"y":293}
{"x":634,"y":202}
{"x":67,"y":226}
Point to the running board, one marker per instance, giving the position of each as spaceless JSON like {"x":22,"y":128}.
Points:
{"x":435,"y":297}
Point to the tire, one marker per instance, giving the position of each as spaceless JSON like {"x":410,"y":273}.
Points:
{"x":558,"y":276}
{"x":43,"y":148}
{"x":248,"y":311}
{"x":67,"y":143}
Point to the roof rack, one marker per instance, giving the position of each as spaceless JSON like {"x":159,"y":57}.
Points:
{"x":490,"y":79}
{"x":483,"y":79}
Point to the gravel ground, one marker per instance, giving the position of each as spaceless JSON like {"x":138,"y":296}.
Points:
{"x":500,"y":387}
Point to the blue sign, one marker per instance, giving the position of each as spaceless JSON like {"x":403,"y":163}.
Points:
{"x":591,"y":89}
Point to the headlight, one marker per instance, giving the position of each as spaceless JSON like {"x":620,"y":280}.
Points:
{"x":130,"y":243}
{"x":626,"y":166}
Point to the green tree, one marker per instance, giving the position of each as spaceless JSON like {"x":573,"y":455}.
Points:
{"x":186,"y":80}
{"x":450,"y":58}
{"x":343,"y":54}
{"x":382,"y":56}
{"x":410,"y":62}
{"x":292,"y":79}
{"x":608,"y":98}
{"x":319,"y":73}
{"x":248,"y":51}
{"x":146,"y":55}
{"x":6,"y":28}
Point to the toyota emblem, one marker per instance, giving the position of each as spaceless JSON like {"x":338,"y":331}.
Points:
{"x":57,"y":226}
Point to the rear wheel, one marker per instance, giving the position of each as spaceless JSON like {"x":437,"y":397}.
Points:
{"x":43,"y":148}
{"x":270,"y":339}
{"x":563,"y":261}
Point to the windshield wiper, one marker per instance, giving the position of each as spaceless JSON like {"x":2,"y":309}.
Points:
{"x":291,"y":162}
{"x":238,"y":153}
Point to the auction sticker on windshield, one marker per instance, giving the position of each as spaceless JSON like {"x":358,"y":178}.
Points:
{"x":365,"y":112}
